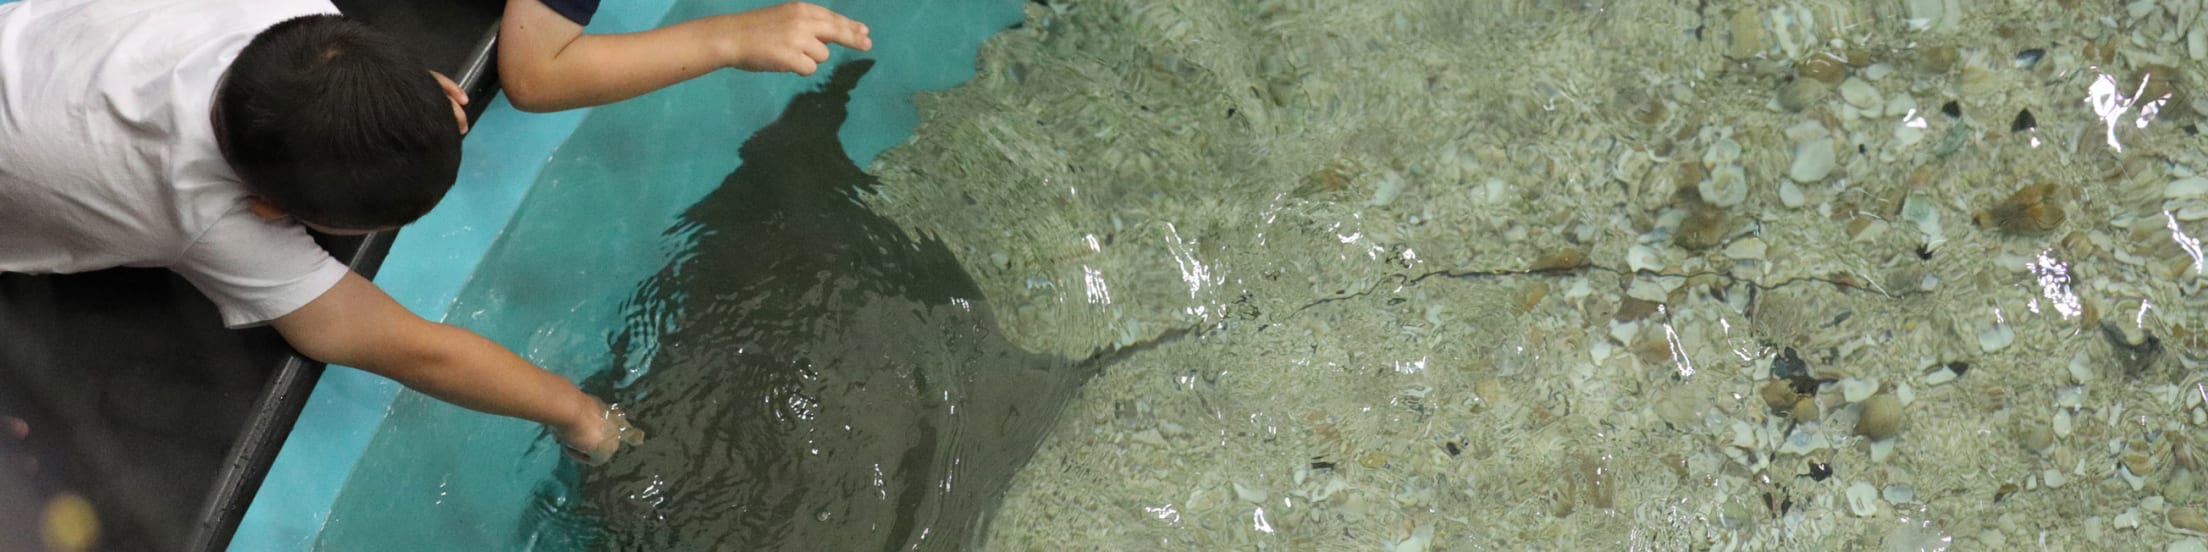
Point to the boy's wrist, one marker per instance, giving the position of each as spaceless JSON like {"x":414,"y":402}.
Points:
{"x":722,"y":37}
{"x":599,"y":433}
{"x":578,"y":420}
{"x":584,"y":414}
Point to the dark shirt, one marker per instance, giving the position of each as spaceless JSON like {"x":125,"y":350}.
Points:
{"x":578,"y":11}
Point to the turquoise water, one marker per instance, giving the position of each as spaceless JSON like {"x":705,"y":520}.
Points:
{"x":589,"y":232}
{"x":1523,"y":274}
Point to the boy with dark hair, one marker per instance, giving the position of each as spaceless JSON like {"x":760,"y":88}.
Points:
{"x":206,"y":136}
{"x":327,"y":120}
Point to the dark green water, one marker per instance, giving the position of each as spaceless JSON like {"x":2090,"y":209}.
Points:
{"x":812,"y":378}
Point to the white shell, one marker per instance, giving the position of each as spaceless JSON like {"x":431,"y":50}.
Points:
{"x":1813,"y":160}
{"x":1900,"y":104}
{"x":1919,"y":209}
{"x":1727,"y":186}
{"x":1898,"y":494}
{"x":1861,"y":94}
{"x":1643,"y":257}
{"x":1996,"y":338}
{"x":1790,"y":195}
{"x":1939,"y":377}
{"x":1882,"y":449}
{"x":1391,"y":185}
{"x":1247,"y":494}
{"x":1924,"y":14}
{"x":1858,"y":389}
{"x":1877,"y":71}
{"x":1723,"y":152}
{"x":2195,"y":186}
{"x":2127,"y":520}
{"x":2192,"y":211}
{"x":1804,"y":441}
{"x":1906,"y":135}
{"x":1862,"y":499}
{"x":1748,"y":248}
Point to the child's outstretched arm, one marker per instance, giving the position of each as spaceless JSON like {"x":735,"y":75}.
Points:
{"x":546,"y":63}
{"x":356,"y":324}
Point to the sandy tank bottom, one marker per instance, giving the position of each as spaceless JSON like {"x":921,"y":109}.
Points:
{"x":1585,"y":274}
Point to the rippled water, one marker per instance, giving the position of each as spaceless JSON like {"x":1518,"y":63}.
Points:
{"x":811,"y":377}
{"x":1591,"y":274}
{"x":1525,"y":274}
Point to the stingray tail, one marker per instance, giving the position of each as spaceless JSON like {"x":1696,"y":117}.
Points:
{"x":1114,"y":353}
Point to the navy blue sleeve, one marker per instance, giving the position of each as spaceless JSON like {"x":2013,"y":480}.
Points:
{"x":578,"y":11}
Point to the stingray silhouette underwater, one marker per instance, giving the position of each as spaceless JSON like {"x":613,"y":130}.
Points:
{"x":812,"y":376}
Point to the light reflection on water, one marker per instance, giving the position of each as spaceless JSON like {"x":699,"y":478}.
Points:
{"x":1534,"y":154}
{"x":1860,"y":304}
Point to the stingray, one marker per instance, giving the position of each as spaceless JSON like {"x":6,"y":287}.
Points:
{"x":813,"y":376}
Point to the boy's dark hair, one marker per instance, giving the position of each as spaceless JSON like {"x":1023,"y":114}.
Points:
{"x":333,"y":122}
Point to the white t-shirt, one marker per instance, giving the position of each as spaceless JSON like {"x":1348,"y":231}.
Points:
{"x":108,"y":155}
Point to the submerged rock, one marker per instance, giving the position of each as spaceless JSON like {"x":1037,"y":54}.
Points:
{"x":2031,"y":210}
{"x":1703,"y":228}
{"x":2136,"y":350}
{"x":1880,"y":417}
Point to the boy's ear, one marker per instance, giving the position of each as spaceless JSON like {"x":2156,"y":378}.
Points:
{"x":262,"y":208}
{"x":459,"y":98}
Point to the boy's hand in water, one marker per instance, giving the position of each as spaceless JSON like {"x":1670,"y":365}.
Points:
{"x":594,"y":439}
{"x":791,"y":37}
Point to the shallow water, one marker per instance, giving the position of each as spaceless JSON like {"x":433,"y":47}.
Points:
{"x":1525,"y":274}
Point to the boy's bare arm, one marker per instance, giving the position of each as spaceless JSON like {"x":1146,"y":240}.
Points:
{"x":356,"y":324}
{"x":546,"y":63}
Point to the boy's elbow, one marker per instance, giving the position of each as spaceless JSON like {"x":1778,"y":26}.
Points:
{"x":527,"y":95}
{"x":539,"y":87}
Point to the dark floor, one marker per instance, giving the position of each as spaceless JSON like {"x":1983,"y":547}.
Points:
{"x":133,"y":391}
{"x":138,"y":399}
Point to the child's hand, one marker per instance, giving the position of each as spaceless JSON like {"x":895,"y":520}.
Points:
{"x":791,"y":37}
{"x":594,"y":439}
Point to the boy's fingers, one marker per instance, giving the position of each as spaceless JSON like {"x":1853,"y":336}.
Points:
{"x":815,"y":11}
{"x":803,"y":65}
{"x":849,"y":33}
{"x":816,"y":51}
